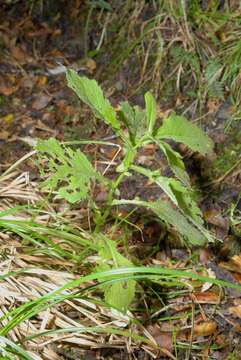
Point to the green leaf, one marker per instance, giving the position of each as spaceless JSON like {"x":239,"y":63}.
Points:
{"x":134,"y":119}
{"x":151,"y":111}
{"x":69,"y":172}
{"x":163,"y":181}
{"x":178,"y":128}
{"x":175,"y":162}
{"x":194,"y":234}
{"x":127,"y":114}
{"x":186,"y":201}
{"x":121,"y":294}
{"x":180,"y":195}
{"x":91,"y":94}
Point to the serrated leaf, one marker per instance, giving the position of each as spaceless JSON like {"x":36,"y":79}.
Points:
{"x":162,"y":181}
{"x":178,"y":128}
{"x":135,"y":120}
{"x":140,"y":120}
{"x":175,"y":162}
{"x":51,"y":146}
{"x":128,"y":117}
{"x":70,"y":172}
{"x":180,"y":195}
{"x":91,"y":94}
{"x":151,"y":111}
{"x":186,"y":201}
{"x":195,"y":236}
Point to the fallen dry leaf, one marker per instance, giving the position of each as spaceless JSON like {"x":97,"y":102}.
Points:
{"x":235,"y":261}
{"x":39,"y":33}
{"x":237,"y":277}
{"x":236,"y":311}
{"x":213,"y":105}
{"x":4,"y":135}
{"x":207,"y":297}
{"x":163,"y":339}
{"x":214,"y":217}
{"x":7,"y":90}
{"x":60,"y":69}
{"x":205,"y":329}
{"x":42,"y":80}
{"x":164,"y":113}
{"x":233,"y":264}
{"x":181,"y":308}
{"x":41,"y":102}
{"x":110,"y":153}
{"x":91,"y":65}
{"x":221,"y":340}
{"x":205,"y":256}
{"x":207,"y":285}
{"x":27,"y":82}
{"x":150,"y":149}
{"x":18,"y":54}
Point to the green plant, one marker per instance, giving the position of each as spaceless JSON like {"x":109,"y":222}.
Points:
{"x":70,"y":175}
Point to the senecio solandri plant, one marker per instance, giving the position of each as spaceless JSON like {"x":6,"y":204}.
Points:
{"x":71,"y":175}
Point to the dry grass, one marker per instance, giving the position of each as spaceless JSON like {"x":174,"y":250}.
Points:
{"x":47,"y":312}
{"x":27,"y":276}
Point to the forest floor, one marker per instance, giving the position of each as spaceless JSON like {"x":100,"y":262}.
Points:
{"x":191,"y":59}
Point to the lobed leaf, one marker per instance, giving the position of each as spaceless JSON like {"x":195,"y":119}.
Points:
{"x":71,"y":172}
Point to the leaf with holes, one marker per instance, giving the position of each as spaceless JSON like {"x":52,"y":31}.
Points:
{"x":71,"y":171}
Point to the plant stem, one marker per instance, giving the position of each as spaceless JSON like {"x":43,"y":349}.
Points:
{"x":128,"y":161}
